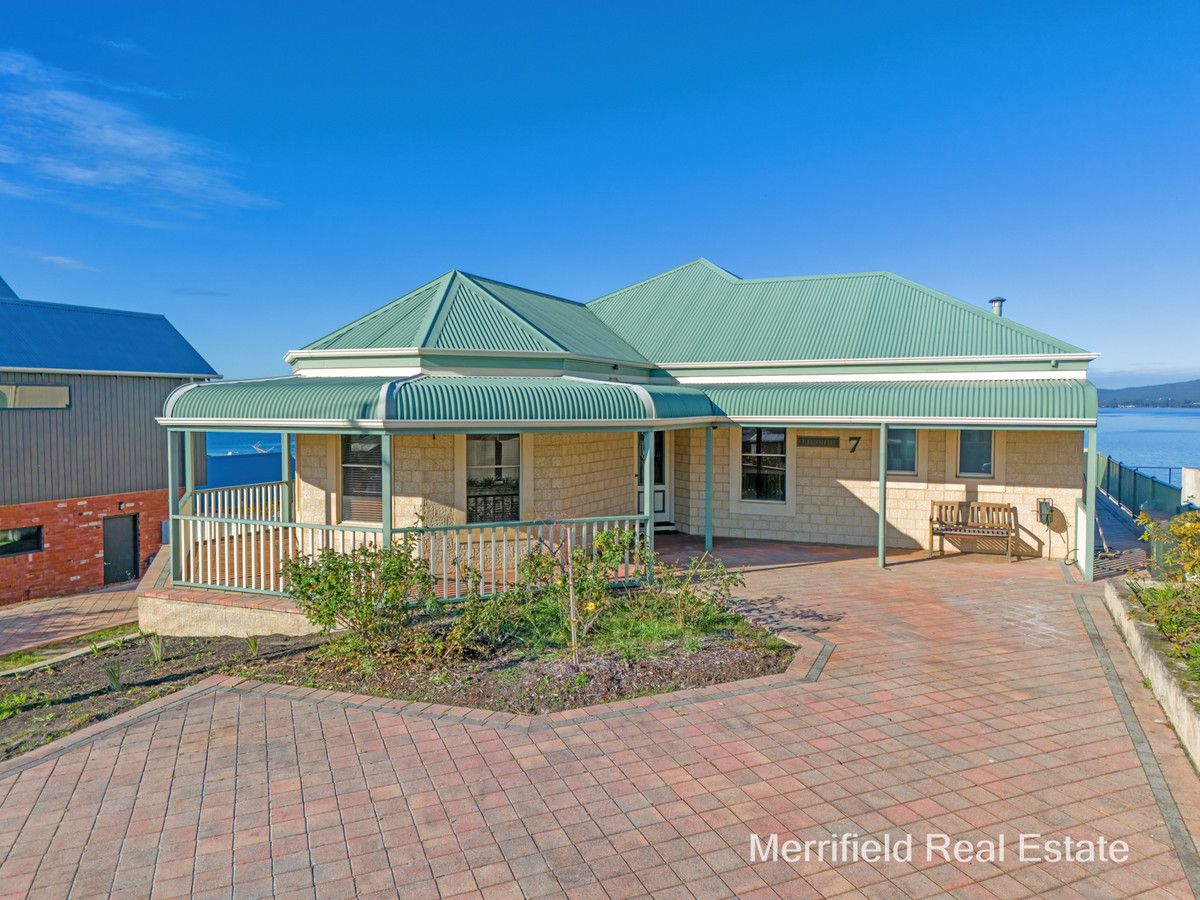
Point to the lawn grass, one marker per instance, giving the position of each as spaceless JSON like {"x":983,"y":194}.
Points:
{"x":55,"y":649}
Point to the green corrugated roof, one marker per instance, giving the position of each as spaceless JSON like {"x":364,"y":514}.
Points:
{"x":514,"y":399}
{"x":293,"y":397}
{"x":1046,"y":399}
{"x":443,"y":399}
{"x":576,"y":401}
{"x":701,"y":313}
{"x":466,"y":312}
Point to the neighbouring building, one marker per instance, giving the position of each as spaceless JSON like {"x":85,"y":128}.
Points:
{"x":471,"y":412}
{"x":83,"y":467}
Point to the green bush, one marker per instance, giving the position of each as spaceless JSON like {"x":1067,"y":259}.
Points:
{"x":370,"y":591}
{"x":680,"y":602}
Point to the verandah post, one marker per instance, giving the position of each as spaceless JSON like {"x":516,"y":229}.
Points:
{"x":648,"y":490}
{"x":883,"y":441}
{"x":189,"y":463}
{"x":285,"y":475}
{"x":708,"y":522}
{"x":385,"y":475}
{"x":1091,"y":458}
{"x":173,"y":505}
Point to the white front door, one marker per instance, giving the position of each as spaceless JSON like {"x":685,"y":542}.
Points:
{"x":662,"y":476}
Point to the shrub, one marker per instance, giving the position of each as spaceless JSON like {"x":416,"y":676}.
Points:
{"x":1180,"y":543}
{"x":370,"y":591}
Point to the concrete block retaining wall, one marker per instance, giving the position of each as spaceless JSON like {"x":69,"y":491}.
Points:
{"x":1180,"y":699}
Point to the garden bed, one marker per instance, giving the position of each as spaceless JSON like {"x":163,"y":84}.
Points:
{"x":41,"y":705}
{"x":563,"y":638}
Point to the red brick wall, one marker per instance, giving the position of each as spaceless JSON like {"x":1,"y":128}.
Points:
{"x":72,"y":558}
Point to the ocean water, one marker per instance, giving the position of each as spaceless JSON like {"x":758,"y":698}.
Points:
{"x":1151,"y":438}
{"x":242,"y":458}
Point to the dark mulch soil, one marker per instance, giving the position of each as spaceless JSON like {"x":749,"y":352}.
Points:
{"x":513,"y":682}
{"x":39,"y":706}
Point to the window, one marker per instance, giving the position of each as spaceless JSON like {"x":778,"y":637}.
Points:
{"x":362,"y":480}
{"x":764,"y":464}
{"x":902,"y":451}
{"x":34,"y":396}
{"x":493,"y":477}
{"x":975,"y":453}
{"x":16,"y":541}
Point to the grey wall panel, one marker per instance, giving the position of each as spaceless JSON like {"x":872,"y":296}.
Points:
{"x":106,"y":443}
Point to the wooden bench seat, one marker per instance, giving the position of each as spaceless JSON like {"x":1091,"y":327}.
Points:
{"x":974,"y":519}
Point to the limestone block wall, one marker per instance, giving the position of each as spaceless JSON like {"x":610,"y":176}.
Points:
{"x":562,"y":476}
{"x":571,"y":476}
{"x":423,"y":479}
{"x":834,"y":491}
{"x":316,"y":478}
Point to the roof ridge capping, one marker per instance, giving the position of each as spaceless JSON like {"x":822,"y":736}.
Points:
{"x":986,"y":314}
{"x":711,"y":266}
{"x":106,"y":310}
{"x":379,"y":310}
{"x":495,"y":298}
{"x":997,"y":324}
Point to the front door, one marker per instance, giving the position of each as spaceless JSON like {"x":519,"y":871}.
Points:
{"x":120,"y":549}
{"x":662,"y":477}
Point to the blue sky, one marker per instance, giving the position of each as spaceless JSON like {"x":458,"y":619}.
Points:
{"x":264,"y":172}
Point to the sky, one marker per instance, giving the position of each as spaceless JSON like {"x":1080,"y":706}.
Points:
{"x":263,"y":172}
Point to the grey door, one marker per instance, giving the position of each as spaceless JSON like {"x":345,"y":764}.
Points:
{"x":120,"y":549}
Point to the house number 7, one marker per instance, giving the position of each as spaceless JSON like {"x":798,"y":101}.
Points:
{"x":854,"y":442}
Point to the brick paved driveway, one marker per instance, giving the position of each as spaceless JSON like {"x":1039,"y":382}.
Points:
{"x":964,"y":696}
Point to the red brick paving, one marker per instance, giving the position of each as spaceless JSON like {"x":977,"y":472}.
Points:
{"x":963,"y":697}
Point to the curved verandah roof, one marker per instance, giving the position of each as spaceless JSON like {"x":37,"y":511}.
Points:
{"x":434,"y":403}
{"x":483,"y":403}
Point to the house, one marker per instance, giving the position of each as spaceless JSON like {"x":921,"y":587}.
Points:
{"x":472,"y":414}
{"x":83,"y":469}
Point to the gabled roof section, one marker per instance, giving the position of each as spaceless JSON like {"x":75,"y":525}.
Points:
{"x":459,"y":311}
{"x":39,"y":336}
{"x":701,"y":313}
{"x":6,"y":293}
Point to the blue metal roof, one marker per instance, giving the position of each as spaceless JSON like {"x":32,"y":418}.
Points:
{"x":59,"y":337}
{"x":6,"y":293}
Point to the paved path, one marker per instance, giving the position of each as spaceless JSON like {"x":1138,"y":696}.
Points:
{"x":38,"y":622}
{"x":965,"y":696}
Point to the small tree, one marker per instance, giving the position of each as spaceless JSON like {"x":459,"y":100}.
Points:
{"x":370,"y":591}
{"x":1179,"y":539}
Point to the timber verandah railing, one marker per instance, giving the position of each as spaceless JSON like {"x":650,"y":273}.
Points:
{"x":237,"y":553}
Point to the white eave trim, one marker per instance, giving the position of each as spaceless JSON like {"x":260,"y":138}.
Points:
{"x":626,"y":424}
{"x":408,"y":352}
{"x":440,"y":424}
{"x":879,"y":377}
{"x":881,"y":361}
{"x":951,"y":421}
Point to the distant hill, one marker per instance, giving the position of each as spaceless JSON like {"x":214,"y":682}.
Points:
{"x":1178,"y":393}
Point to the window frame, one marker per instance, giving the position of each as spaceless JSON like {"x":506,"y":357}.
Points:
{"x":742,"y":455}
{"x":958,"y":463}
{"x":41,"y":541}
{"x":916,"y":445}
{"x":343,"y":494}
{"x":17,"y":386}
{"x":497,"y":466}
